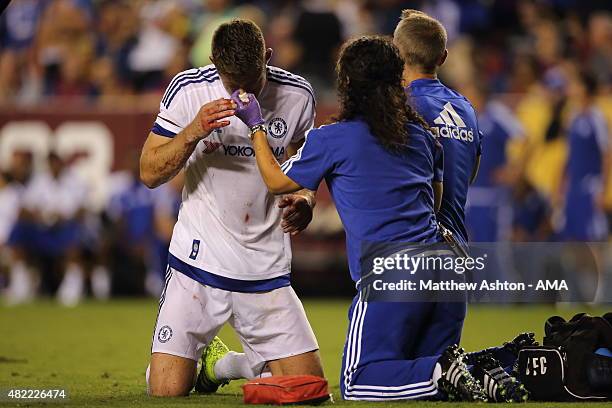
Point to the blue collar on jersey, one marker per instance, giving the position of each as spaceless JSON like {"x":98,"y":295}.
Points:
{"x":425,"y":82}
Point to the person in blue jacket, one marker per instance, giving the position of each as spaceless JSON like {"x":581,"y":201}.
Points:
{"x":421,"y":40}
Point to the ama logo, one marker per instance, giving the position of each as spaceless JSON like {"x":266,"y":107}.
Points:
{"x":449,"y":124}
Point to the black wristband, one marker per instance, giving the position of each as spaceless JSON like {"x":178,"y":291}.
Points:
{"x":257,"y":128}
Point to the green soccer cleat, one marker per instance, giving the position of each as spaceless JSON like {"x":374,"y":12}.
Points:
{"x":207,"y":382}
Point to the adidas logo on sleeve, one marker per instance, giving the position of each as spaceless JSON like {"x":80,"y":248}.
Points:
{"x":449,"y":124}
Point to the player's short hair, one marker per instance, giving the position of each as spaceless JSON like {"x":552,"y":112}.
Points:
{"x":238,"y":49}
{"x":421,"y":40}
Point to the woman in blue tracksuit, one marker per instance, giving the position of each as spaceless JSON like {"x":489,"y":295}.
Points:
{"x":384,"y":171}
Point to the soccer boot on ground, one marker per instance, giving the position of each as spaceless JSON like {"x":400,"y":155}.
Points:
{"x":207,"y":381}
{"x":456,"y":381}
{"x":497,"y":383}
{"x":513,"y":347}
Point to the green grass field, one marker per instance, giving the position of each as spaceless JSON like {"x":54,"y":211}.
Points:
{"x":98,"y":352}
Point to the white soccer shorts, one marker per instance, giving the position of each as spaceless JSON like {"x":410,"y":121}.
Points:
{"x":270,"y":325}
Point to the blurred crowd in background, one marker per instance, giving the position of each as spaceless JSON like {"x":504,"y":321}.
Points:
{"x":529,"y":67}
{"x":103,"y":49}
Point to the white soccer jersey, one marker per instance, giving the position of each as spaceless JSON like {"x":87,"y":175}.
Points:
{"x":229,"y":225}
{"x":51,"y":197}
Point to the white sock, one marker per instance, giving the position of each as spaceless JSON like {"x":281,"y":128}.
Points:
{"x":437,"y":374}
{"x":100,"y":282}
{"x":147,"y":378}
{"x":70,"y":291}
{"x":233,"y":366}
{"x":21,"y":284}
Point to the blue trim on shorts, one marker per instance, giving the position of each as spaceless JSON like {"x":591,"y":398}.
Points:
{"x":229,"y":284}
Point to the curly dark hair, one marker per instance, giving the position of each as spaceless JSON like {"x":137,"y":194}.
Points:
{"x":370,"y":87}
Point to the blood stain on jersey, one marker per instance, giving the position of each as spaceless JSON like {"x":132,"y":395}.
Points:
{"x":211,"y":146}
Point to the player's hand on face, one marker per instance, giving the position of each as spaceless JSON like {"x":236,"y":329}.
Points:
{"x":297,"y":213}
{"x":248,"y":109}
{"x":212,"y":116}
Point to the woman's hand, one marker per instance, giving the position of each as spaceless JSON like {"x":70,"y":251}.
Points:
{"x":248,"y":109}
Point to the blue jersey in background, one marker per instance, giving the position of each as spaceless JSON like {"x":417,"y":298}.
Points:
{"x":380,"y":196}
{"x":500,"y":125}
{"x":133,"y":210}
{"x":488,"y":212}
{"x":453,"y":120}
{"x":588,"y":137}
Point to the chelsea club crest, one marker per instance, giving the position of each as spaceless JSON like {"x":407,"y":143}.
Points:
{"x":277,"y":128}
{"x":164,"y":334}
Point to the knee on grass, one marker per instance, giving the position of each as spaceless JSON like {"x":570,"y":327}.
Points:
{"x":164,"y":384}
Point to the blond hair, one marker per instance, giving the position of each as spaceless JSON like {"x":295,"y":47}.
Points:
{"x":421,"y":40}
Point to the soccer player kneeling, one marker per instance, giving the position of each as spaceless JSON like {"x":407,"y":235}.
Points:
{"x":230,"y":253}
{"x":421,"y":40}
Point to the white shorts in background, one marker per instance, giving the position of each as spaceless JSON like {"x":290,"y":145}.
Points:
{"x":271,"y":325}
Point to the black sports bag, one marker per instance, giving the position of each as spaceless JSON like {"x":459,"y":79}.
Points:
{"x":567,"y":367}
